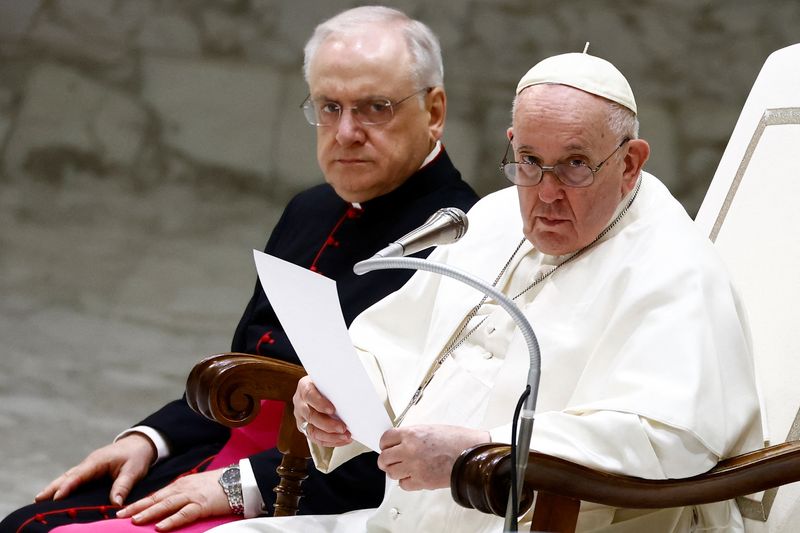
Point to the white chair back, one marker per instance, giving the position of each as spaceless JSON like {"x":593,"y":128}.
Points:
{"x":752,"y":213}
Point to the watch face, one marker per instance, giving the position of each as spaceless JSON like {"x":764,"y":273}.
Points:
{"x":231,"y":476}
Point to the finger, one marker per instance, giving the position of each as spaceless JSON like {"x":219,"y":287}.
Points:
{"x":400,"y":471}
{"x":72,"y":479}
{"x":393,"y":471}
{"x":326,"y":423}
{"x":187,"y":515}
{"x":324,"y":438}
{"x":388,"y":459}
{"x":122,"y":487}
{"x":172,"y":504}
{"x":315,"y":400}
{"x":390,"y":438}
{"x":298,"y":401}
{"x":48,"y":492}
{"x":139,"y":505}
{"x":408,"y":483}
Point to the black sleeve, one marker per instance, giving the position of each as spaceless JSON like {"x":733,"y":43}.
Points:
{"x":183,"y":428}
{"x":258,"y":317}
{"x":356,"y":484}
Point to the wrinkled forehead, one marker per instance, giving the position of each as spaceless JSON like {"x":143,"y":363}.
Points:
{"x":556,"y":106}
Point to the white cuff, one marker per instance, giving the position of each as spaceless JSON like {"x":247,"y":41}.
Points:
{"x":158,"y":441}
{"x":250,"y":493}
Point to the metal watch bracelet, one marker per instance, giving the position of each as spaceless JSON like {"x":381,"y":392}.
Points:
{"x":231,"y":483}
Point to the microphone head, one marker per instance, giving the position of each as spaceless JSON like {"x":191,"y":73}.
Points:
{"x":445,"y":226}
{"x":454,"y":224}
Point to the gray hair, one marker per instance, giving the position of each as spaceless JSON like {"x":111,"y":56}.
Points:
{"x":422,"y":43}
{"x":620,"y":120}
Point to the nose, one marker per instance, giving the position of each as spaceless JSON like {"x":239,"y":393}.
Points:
{"x":348,"y":129}
{"x":550,"y":188}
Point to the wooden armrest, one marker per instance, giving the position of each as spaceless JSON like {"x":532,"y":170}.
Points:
{"x":480,"y":479}
{"x":228,"y":388}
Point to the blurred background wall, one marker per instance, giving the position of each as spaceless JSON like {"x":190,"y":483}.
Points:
{"x":146,"y":146}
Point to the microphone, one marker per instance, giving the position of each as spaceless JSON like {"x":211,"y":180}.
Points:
{"x":445,"y":226}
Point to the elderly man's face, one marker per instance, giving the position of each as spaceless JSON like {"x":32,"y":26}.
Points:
{"x":553,"y":124}
{"x":362,"y":162}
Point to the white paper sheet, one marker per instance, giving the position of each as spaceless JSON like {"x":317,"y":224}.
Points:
{"x":307,"y":305}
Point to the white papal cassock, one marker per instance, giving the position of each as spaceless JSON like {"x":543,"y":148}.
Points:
{"x":646,"y":364}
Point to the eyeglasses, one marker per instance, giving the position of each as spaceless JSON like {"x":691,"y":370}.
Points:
{"x":367,"y":112}
{"x":573,"y":173}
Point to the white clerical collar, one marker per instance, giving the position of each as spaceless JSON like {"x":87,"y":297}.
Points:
{"x":437,"y":148}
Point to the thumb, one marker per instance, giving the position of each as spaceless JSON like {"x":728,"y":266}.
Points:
{"x":120,"y":490}
{"x":122,"y":486}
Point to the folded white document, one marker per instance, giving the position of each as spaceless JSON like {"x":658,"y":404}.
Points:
{"x":307,"y":305}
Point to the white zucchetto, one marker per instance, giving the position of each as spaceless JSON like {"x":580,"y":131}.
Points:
{"x":585,"y":72}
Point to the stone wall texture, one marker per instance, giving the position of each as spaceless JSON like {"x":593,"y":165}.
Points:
{"x":148,"y":92}
{"x":147,"y":145}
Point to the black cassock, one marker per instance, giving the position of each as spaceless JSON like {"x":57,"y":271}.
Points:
{"x":320,"y":231}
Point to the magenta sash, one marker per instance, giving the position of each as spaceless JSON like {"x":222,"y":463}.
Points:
{"x":259,"y":435}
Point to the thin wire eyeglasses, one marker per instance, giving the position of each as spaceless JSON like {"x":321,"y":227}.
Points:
{"x":574,"y":173}
{"x":367,"y":112}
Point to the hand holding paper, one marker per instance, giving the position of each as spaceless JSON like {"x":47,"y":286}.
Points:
{"x":307,"y":305}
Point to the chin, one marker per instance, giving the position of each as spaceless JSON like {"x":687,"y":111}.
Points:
{"x":355,"y":195}
{"x":349,"y":189}
{"x":551,"y":245}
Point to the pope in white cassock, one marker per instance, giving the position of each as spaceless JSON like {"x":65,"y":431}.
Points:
{"x":646,"y":363}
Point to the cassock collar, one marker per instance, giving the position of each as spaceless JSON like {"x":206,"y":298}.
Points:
{"x":437,"y":149}
{"x":438,"y":173}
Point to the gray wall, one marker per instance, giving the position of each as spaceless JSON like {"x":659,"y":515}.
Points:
{"x":146,"y":146}
{"x":151,"y":92}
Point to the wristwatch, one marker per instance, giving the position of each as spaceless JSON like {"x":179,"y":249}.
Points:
{"x":231,"y":483}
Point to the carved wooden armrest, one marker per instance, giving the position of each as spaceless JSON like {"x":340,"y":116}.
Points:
{"x":228,"y":388}
{"x":480,"y":480}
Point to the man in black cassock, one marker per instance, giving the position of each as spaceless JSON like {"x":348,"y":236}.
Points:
{"x":378,"y":103}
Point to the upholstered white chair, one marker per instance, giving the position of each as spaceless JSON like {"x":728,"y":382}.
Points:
{"x":752,"y":213}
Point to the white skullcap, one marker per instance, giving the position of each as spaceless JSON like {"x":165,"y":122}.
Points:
{"x":582,"y":71}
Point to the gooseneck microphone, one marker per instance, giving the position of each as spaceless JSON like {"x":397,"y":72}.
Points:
{"x":445,"y":226}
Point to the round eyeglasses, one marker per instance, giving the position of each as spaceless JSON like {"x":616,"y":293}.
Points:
{"x":367,"y":112}
{"x":573,"y":173}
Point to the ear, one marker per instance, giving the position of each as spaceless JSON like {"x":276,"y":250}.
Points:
{"x":635,"y":157}
{"x":510,"y":134}
{"x":437,"y":109}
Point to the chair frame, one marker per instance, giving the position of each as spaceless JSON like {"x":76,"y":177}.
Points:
{"x":481,"y":476}
{"x":227,"y":388}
